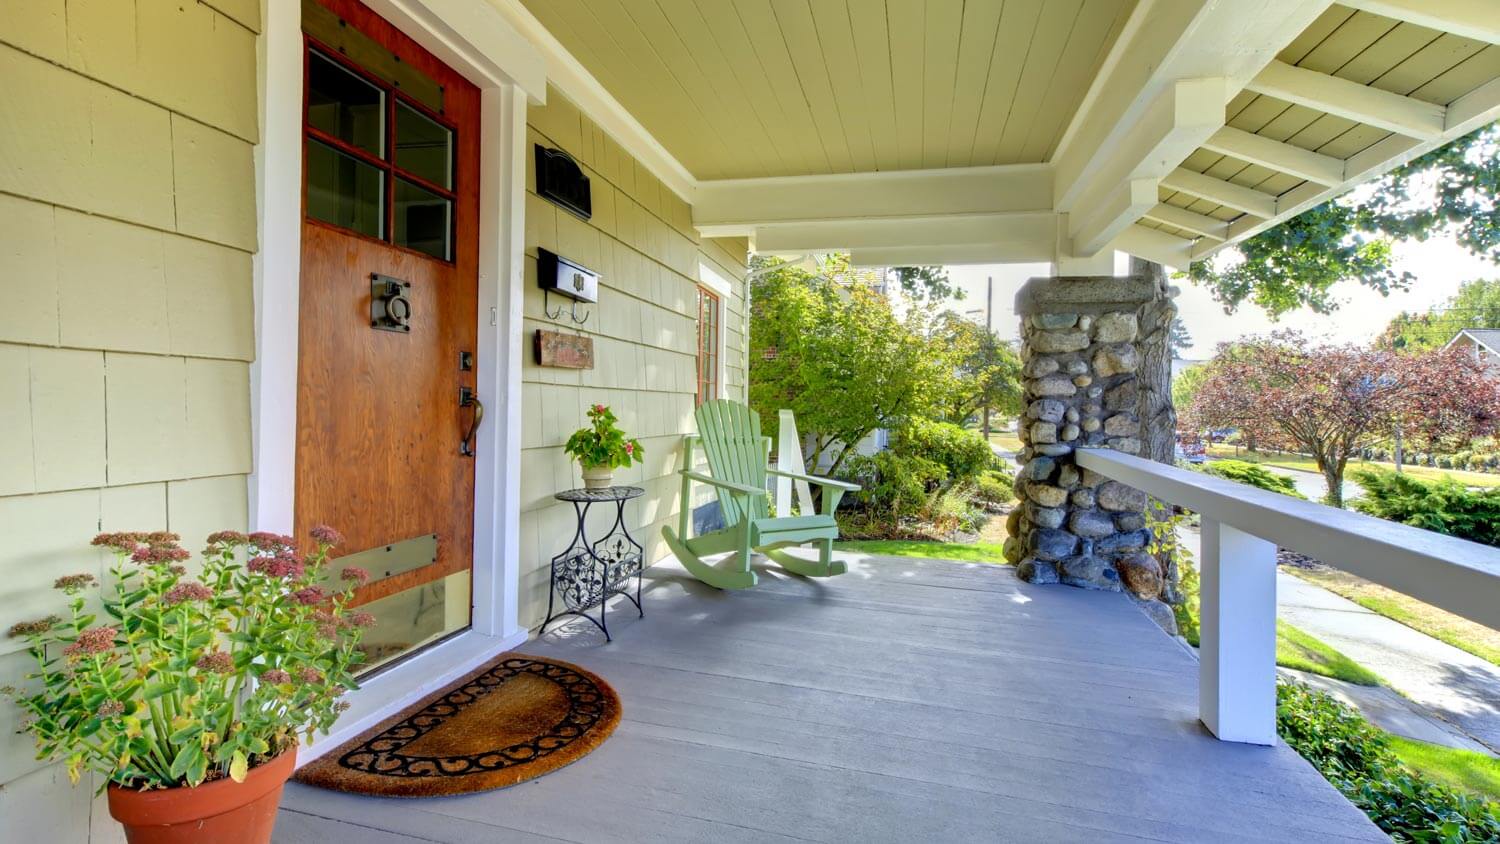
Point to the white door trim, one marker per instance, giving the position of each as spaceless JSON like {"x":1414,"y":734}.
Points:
{"x":436,"y":25}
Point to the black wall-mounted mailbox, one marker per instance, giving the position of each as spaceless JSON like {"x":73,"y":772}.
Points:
{"x":556,"y":274}
{"x":560,"y":179}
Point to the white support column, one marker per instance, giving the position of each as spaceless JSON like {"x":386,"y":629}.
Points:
{"x":1237,"y":671}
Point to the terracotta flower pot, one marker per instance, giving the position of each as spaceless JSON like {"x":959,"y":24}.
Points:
{"x":598,"y":477}
{"x":222,"y":811}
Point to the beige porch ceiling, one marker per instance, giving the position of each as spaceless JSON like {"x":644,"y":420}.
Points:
{"x":953,"y":131}
{"x":745,"y":88}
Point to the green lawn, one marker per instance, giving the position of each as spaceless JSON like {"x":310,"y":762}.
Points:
{"x":1306,"y":464}
{"x":979,"y":552}
{"x":1304,"y":652}
{"x":1462,"y":769}
{"x":1457,"y":631}
{"x":1006,"y":440}
{"x":1295,"y":648}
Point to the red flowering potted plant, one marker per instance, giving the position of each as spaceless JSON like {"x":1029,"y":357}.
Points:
{"x":601,"y":448}
{"x":190,"y":695}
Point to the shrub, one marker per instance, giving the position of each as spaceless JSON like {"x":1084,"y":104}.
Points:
{"x":1357,"y":759}
{"x":893,"y":484}
{"x":955,"y":512}
{"x":994,"y":488}
{"x":1444,"y":506}
{"x":963,"y":454}
{"x":1253,"y":474}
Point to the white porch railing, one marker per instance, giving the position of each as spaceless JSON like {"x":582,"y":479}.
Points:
{"x":1241,"y":528}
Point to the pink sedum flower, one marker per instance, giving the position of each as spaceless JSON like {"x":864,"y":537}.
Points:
{"x":159,"y":553}
{"x":95,"y":640}
{"x":215,"y":662}
{"x":309,"y":596}
{"x":22,"y":629}
{"x":276,"y":677}
{"x":310,"y":675}
{"x":282,"y":565}
{"x":187,"y":592}
{"x":72,"y":583}
{"x":355,"y":575}
{"x":325,"y":535}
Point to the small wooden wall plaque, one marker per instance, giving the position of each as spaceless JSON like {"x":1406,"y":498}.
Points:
{"x":570,"y":351}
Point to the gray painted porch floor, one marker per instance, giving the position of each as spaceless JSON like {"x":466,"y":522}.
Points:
{"x":909,"y":700}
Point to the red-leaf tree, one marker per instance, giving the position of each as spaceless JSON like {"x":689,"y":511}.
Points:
{"x":1332,"y":400}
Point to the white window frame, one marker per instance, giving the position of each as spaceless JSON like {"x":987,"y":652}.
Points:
{"x":722,"y":288}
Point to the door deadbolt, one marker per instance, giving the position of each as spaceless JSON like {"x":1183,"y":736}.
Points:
{"x":390,"y":307}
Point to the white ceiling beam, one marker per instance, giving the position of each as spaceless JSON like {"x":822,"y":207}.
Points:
{"x":1235,"y":196}
{"x":1092,"y":230}
{"x":1154,"y":245}
{"x":1361,"y":103}
{"x":725,"y":206}
{"x":1476,"y":19}
{"x":1016,"y":229}
{"x":1474,"y":110}
{"x":1162,"y":43}
{"x":1281,"y":157}
{"x":1185,"y":114}
{"x":972,"y":253}
{"x":1199,"y":224}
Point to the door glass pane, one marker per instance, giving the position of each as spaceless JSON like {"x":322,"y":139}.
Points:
{"x":344,"y":105}
{"x":423,"y":220}
{"x":414,"y":617}
{"x":344,"y":190}
{"x":423,"y":148}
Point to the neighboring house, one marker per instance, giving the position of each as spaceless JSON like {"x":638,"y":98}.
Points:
{"x":1484,"y":343}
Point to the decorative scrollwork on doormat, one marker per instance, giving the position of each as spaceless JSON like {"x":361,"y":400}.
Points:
{"x":515,"y":719}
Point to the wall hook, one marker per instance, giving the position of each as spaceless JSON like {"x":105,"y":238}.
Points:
{"x":573,"y":314}
{"x":547,"y":306}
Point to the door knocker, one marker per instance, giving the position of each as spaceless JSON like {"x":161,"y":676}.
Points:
{"x":390,"y":307}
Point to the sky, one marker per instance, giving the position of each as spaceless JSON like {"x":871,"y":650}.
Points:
{"x":1440,"y":266}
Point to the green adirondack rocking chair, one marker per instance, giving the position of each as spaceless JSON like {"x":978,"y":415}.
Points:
{"x":737,"y":461}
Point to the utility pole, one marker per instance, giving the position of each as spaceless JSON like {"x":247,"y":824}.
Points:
{"x":989,"y":331}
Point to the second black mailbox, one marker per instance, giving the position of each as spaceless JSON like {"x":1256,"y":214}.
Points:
{"x":556,"y":274}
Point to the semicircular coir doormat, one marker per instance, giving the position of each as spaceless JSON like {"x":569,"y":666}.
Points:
{"x":515,"y":719}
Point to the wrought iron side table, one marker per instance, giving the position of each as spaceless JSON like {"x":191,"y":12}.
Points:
{"x":589,"y":573}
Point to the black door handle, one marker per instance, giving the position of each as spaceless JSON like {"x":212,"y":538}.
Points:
{"x":468,"y":398}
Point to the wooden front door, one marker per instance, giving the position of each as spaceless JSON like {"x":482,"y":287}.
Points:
{"x":388,"y":320}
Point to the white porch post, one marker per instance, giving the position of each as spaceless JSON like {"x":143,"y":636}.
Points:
{"x":1237,"y":672}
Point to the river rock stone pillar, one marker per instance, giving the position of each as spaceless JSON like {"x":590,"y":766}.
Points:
{"x":1080,"y":346}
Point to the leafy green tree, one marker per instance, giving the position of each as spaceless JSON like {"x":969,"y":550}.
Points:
{"x":1296,"y":264}
{"x":986,"y":370}
{"x":1185,"y":387}
{"x":1332,"y":401}
{"x":832,"y":349}
{"x":929,"y":283}
{"x":1475,"y":305}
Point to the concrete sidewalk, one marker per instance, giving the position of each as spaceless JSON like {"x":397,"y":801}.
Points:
{"x":1455,"y":686}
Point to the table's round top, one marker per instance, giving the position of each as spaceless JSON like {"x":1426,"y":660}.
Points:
{"x":611,"y":493}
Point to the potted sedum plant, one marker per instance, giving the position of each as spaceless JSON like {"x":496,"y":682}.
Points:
{"x":189,"y":694}
{"x":601,"y":448}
